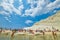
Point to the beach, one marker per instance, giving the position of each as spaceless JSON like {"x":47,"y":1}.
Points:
{"x":47,"y":36}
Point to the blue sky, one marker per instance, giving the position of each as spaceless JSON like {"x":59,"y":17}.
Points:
{"x":17,"y":14}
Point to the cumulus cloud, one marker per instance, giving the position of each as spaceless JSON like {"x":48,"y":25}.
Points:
{"x":21,"y":7}
{"x":11,"y":1}
{"x":28,"y":21}
{"x":10,"y":7}
{"x":7,"y":19}
{"x":20,"y":0}
{"x":43,"y":7}
{"x":4,"y":13}
{"x":52,"y":6}
{"x":6,"y":7}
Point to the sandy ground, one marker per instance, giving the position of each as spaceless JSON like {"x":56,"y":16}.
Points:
{"x":47,"y":36}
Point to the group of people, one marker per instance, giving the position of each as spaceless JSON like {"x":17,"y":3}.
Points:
{"x":33,"y":31}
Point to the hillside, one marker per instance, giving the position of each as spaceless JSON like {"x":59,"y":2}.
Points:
{"x":52,"y":21}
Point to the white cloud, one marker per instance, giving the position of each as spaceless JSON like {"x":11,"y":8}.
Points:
{"x":4,"y":13}
{"x":52,"y":6}
{"x":10,"y":8}
{"x":15,"y":10}
{"x":6,"y":18}
{"x":5,"y":0}
{"x":34,"y":11}
{"x":28,"y":12}
{"x":11,"y":1}
{"x":43,"y":7}
{"x":28,"y":21}
{"x":6,"y":7}
{"x":54,"y":11}
{"x":29,"y":1}
{"x":21,"y":7}
{"x":20,"y":0}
